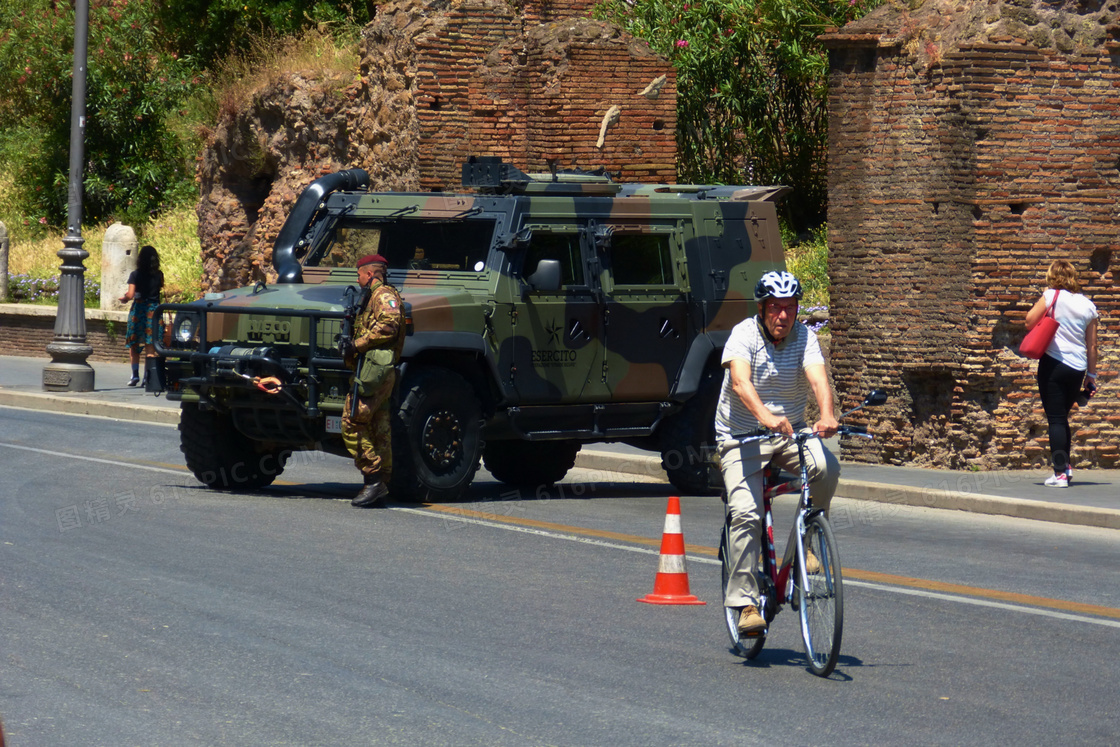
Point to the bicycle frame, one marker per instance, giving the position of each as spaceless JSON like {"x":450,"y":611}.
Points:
{"x":779,"y":576}
{"x":774,"y":486}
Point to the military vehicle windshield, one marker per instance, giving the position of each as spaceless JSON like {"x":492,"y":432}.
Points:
{"x":446,"y":246}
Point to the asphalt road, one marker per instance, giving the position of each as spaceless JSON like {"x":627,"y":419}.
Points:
{"x":138,"y":608}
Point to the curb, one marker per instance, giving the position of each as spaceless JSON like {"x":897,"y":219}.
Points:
{"x":1057,"y":513}
{"x":94,"y":407}
{"x":648,"y":466}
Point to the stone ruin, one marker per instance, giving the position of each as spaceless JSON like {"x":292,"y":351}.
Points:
{"x":970,"y":144}
{"x":533,"y":83}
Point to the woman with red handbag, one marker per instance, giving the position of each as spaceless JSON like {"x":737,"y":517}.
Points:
{"x":1070,"y":360}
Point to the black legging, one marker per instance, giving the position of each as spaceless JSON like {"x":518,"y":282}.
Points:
{"x":1059,"y":385}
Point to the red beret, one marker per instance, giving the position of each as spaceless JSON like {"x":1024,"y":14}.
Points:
{"x":370,"y":259}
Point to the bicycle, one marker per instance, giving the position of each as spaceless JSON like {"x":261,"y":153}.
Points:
{"x":817,"y":595}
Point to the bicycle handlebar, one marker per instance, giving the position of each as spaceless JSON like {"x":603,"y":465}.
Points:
{"x":761,"y":433}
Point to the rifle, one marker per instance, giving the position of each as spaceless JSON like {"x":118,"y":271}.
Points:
{"x":355,"y":299}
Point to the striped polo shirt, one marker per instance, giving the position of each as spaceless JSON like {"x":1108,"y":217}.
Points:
{"x":777,"y":372}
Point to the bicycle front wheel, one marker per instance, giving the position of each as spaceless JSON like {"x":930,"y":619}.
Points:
{"x":821,"y":604}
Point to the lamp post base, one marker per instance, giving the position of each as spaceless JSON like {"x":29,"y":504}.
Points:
{"x":68,"y":370}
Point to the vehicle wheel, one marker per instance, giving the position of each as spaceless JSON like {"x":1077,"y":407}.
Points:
{"x":688,"y":440}
{"x":221,"y":457}
{"x":750,"y":647}
{"x":436,"y":436}
{"x":821,"y":605}
{"x":530,"y":462}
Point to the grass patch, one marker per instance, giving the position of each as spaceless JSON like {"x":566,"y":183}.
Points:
{"x":808,"y":260}
{"x":327,"y":52}
{"x":34,"y":264}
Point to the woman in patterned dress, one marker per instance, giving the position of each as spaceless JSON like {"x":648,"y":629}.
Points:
{"x":144,"y":326}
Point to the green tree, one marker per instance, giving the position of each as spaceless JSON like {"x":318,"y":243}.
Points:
{"x":135,"y":164}
{"x":751,"y":88}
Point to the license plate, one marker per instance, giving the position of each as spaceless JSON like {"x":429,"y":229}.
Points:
{"x":334,"y":424}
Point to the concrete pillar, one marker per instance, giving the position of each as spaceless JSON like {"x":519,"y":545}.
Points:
{"x":3,"y":263}
{"x":118,"y":258}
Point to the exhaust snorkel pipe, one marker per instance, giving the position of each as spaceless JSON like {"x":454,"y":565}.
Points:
{"x":284,"y":259}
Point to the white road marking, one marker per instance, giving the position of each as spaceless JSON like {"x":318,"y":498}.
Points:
{"x":114,"y":462}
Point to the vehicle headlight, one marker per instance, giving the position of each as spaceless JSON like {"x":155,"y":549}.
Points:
{"x":184,"y":328}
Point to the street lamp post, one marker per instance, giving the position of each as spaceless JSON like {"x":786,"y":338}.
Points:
{"x":68,"y":370}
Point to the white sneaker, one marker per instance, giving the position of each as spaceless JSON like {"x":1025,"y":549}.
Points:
{"x":1057,"y":481}
{"x":1069,"y":475}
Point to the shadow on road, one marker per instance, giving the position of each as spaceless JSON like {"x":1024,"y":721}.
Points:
{"x":483,"y":492}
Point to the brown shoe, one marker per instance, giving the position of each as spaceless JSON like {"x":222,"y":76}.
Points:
{"x":812,"y":565}
{"x":750,"y":622}
{"x":372,"y":495}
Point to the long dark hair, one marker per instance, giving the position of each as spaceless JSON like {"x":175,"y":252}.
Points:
{"x":147,"y":264}
{"x":149,"y":278}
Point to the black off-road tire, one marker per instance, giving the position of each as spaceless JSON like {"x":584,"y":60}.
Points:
{"x":436,"y":436}
{"x":530,"y":462}
{"x":688,"y":438}
{"x":221,"y":457}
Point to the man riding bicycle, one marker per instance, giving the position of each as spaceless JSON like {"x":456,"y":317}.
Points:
{"x":771,"y":362}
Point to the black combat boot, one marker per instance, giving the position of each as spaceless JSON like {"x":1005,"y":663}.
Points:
{"x":372,"y":495}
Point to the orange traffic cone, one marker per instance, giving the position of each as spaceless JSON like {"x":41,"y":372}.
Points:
{"x":670,"y":586}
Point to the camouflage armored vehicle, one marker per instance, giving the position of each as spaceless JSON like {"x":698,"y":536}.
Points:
{"x":543,"y":312}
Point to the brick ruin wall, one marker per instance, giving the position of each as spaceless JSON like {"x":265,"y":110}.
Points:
{"x":957,"y":173}
{"x":531,"y":83}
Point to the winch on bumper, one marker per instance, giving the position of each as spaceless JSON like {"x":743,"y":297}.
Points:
{"x":270,"y":396}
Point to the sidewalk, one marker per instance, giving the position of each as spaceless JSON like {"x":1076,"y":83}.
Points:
{"x":1093,"y":500}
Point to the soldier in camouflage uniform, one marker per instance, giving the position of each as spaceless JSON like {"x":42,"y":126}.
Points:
{"x":365,"y":427}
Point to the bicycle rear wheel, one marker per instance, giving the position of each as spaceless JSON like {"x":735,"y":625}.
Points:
{"x":821,"y":605}
{"x":750,"y":647}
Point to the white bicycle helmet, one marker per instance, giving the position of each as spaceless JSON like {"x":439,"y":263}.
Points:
{"x":777,"y":285}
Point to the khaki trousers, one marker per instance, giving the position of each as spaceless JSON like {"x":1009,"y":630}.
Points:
{"x":742,"y":466}
{"x":368,"y":435}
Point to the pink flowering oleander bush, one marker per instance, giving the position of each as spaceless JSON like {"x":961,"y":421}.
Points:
{"x":751,"y":89}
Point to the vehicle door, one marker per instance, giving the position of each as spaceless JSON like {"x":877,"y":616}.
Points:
{"x":548,"y":338}
{"x":645,"y":327}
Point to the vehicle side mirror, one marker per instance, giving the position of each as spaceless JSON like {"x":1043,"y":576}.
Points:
{"x":547,"y":276}
{"x":875,"y":398}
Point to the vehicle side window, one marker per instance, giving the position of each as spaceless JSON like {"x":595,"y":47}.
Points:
{"x":641,"y":259}
{"x":559,"y":246}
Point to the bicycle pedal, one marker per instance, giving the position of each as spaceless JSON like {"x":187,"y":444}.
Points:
{"x":754,"y":634}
